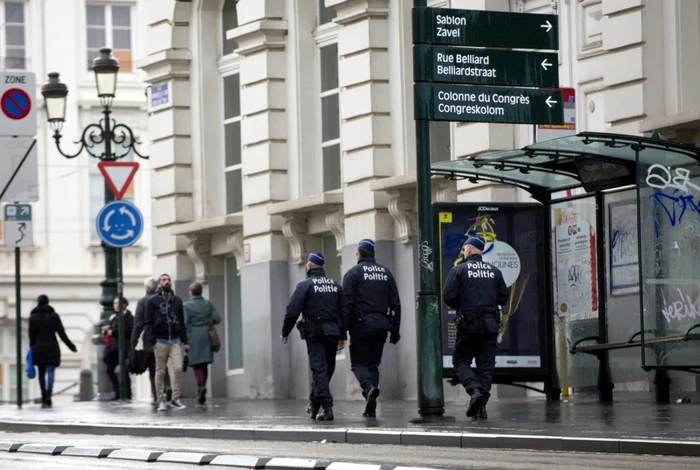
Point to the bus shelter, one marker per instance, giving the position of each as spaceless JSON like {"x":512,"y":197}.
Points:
{"x":609,"y":269}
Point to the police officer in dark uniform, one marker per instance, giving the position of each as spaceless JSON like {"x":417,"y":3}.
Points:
{"x":373,"y":309}
{"x":319,"y":299}
{"x":476,"y":290}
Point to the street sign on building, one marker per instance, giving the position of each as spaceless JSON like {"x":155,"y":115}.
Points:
{"x":549,"y":131}
{"x":485,"y":66}
{"x":439,"y":102}
{"x":18,"y":225}
{"x":19,"y":172}
{"x":118,"y":176}
{"x":447,"y":26}
{"x":17,"y":106}
{"x":119,"y":224}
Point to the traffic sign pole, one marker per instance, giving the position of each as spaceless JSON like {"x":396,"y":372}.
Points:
{"x":120,"y":323}
{"x":431,"y":399}
{"x":18,"y":324}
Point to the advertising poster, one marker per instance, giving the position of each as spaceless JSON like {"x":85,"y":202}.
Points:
{"x":513,"y":244}
{"x":575,"y":258}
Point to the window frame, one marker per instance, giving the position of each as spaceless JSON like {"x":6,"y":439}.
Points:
{"x":326,"y":35}
{"x":3,"y":36}
{"x":109,"y":28}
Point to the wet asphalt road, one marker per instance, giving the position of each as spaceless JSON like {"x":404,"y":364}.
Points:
{"x":433,"y":457}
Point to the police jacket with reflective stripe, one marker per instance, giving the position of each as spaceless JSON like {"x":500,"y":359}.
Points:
{"x":370,"y":288}
{"x":317,"y":298}
{"x":475,"y":286}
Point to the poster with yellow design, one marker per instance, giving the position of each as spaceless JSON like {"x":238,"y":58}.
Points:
{"x":513,"y":245}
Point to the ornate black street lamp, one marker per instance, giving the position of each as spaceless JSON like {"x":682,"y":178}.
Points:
{"x":106,"y":141}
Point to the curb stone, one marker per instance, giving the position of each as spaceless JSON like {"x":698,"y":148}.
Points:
{"x":466,"y":440}
{"x":195,"y":458}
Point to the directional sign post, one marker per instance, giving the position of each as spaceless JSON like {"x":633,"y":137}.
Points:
{"x":455,"y":81}
{"x":487,"y":104}
{"x":485,"y":66}
{"x":18,"y":225}
{"x":445,"y":26}
{"x":17,"y":107}
{"x":18,"y":233}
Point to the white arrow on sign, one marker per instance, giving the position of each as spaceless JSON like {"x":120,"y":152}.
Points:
{"x":550,"y":101}
{"x":123,"y":211}
{"x":547,"y":25}
{"x":128,"y":234}
{"x":545,"y":64}
{"x":106,"y":227}
{"x":24,"y":210}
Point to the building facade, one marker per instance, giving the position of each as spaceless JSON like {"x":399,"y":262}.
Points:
{"x":66,"y":262}
{"x":280,"y":127}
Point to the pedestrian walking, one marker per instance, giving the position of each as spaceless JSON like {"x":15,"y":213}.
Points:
{"x":111,"y":357}
{"x":149,"y":285}
{"x":165,"y":326}
{"x":476,"y":290}
{"x":200,"y":316}
{"x":373,"y":310}
{"x":44,"y":324}
{"x":319,"y":299}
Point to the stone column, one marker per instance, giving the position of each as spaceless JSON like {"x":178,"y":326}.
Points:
{"x":264,"y":280}
{"x":168,"y":64}
{"x":366,"y":132}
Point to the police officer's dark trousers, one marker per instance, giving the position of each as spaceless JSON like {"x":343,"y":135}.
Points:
{"x":479,"y":346}
{"x":366,"y":348}
{"x":322,"y":351}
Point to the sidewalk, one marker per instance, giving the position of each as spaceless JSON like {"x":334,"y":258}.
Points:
{"x":633,"y":424}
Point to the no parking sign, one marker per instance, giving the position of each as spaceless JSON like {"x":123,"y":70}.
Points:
{"x":17,"y":106}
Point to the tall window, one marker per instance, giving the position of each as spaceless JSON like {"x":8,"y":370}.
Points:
{"x":232,"y":142}
{"x":234,"y":318}
{"x":97,"y":200}
{"x":330,"y":118}
{"x":13,"y":37}
{"x":110,"y":26}
{"x":325,"y":15}
{"x":229,"y":21}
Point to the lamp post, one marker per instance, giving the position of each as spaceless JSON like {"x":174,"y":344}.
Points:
{"x":100,"y":140}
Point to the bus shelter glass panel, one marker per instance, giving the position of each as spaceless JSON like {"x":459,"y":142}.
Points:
{"x":669,"y":203}
{"x":622,"y":283}
{"x":575,"y":287}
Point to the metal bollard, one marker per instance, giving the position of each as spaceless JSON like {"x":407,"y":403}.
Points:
{"x":87,"y":392}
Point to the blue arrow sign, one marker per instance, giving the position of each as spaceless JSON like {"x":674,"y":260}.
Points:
{"x":119,"y":224}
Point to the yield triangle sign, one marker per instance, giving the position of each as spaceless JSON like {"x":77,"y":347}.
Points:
{"x":118,"y":176}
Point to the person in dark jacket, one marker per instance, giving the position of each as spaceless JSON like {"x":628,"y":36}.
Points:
{"x":165,"y":326}
{"x":111,"y":357}
{"x":476,"y":290}
{"x":149,"y":285}
{"x":372,"y":309}
{"x":320,"y":301}
{"x":44,"y":324}
{"x":198,"y":311}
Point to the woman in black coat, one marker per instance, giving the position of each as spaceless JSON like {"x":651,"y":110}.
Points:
{"x":111,"y":357}
{"x":44,"y":323}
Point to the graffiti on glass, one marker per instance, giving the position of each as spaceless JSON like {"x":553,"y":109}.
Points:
{"x":672,"y":195}
{"x":681,"y":308}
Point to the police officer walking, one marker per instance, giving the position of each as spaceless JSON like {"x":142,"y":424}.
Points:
{"x":373,"y":309}
{"x":476,"y":290}
{"x":319,"y":299}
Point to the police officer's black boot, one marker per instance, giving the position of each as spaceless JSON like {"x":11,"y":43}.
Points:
{"x":326,"y":414}
{"x":371,"y":407}
{"x":312,"y":410}
{"x":475,"y":404}
{"x":481,"y":414}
